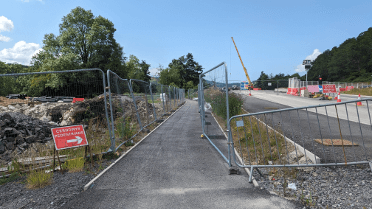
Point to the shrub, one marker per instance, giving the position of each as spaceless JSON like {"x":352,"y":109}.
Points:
{"x":218,"y":103}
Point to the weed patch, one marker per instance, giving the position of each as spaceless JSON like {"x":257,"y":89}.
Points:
{"x":38,"y":179}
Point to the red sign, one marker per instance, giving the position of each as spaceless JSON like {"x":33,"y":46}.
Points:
{"x":77,"y":100}
{"x":69,"y":136}
{"x":348,"y":88}
{"x":313,"y":88}
{"x":330,"y":88}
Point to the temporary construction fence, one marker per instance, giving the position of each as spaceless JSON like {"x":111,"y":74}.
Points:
{"x":270,"y":84}
{"x":213,"y":97}
{"x":110,"y":114}
{"x":323,"y":135}
{"x":136,"y":104}
{"x":192,"y":93}
{"x":56,"y":98}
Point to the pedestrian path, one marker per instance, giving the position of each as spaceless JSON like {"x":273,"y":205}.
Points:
{"x":175,"y":168}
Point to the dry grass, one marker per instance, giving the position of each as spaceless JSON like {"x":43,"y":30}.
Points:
{"x":5,"y":101}
{"x":256,"y":143}
{"x":355,"y":91}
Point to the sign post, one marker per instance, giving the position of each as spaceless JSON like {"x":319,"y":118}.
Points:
{"x":68,"y":137}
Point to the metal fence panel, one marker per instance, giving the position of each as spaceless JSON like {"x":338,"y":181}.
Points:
{"x":55,"y":99}
{"x":135,"y":105}
{"x":323,"y":135}
{"x":213,"y":99}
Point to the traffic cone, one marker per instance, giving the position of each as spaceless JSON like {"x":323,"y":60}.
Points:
{"x":359,"y":103}
{"x":338,"y":97}
{"x":250,"y":93}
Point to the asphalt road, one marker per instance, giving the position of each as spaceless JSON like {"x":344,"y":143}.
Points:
{"x":175,"y":168}
{"x":305,"y":125}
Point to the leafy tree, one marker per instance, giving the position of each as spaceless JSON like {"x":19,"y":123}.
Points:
{"x":90,"y":37}
{"x":84,"y":41}
{"x":137,"y":70}
{"x":10,"y":85}
{"x":188,"y":70}
{"x":170,"y":75}
{"x":260,"y":83}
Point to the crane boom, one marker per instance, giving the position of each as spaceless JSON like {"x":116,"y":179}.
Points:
{"x":245,"y":70}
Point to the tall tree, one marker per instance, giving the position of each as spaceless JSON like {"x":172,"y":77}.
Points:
{"x":137,"y":69}
{"x":90,"y":38}
{"x":188,"y":69}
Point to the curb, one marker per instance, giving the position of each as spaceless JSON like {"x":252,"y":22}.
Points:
{"x":240,"y":159}
{"x":106,"y":169}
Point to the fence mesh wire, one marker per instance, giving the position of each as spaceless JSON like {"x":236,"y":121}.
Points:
{"x":39,"y":101}
{"x":330,"y":134}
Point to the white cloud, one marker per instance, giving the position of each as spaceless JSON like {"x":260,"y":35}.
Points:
{"x":154,"y":71}
{"x":4,"y":38}
{"x":312,"y":57}
{"x":22,"y":53}
{"x":6,"y":24}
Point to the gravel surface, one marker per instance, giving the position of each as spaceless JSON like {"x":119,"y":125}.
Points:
{"x":320,"y":187}
{"x":63,"y":188}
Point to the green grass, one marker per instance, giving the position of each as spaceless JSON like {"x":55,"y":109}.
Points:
{"x":74,"y":165}
{"x":38,"y":179}
{"x":13,"y":176}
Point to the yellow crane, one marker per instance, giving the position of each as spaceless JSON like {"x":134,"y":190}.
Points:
{"x":250,"y":84}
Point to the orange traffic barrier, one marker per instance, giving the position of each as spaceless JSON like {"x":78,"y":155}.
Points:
{"x":77,"y":100}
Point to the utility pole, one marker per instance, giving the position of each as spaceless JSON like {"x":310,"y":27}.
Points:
{"x":307,"y":64}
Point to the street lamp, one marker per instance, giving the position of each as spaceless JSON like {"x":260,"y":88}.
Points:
{"x":307,"y":64}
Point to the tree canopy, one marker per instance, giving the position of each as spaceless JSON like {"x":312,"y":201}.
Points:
{"x":88,"y":37}
{"x":182,"y":72}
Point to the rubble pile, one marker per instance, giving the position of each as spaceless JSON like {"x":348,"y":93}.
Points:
{"x":18,"y":131}
{"x":129,"y":108}
{"x":24,"y":124}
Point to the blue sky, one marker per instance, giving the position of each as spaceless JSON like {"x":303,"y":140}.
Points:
{"x":272,"y":36}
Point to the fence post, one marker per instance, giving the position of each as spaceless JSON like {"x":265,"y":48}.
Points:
{"x":135,"y":104}
{"x":153,"y":105}
{"x":163,"y":98}
{"x":112,"y":135}
{"x":147,"y":108}
{"x":170,"y":98}
{"x":174,"y":96}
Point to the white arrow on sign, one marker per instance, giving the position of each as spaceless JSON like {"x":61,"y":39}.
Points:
{"x":77,"y":139}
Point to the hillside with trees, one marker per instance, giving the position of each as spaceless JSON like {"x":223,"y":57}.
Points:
{"x":349,"y":62}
